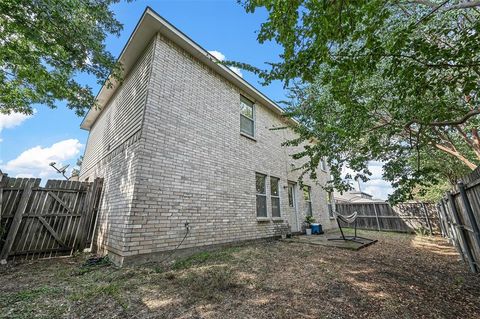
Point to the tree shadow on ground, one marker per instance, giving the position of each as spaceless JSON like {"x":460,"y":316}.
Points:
{"x":401,"y":276}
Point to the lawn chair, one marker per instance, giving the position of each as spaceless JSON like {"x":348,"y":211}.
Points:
{"x":349,"y":220}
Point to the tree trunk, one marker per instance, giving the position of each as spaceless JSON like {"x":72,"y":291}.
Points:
{"x":455,"y":153}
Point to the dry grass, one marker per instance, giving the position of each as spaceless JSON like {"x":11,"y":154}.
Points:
{"x":402,"y":276}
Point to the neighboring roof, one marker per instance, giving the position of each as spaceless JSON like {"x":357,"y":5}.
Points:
{"x":149,"y":24}
{"x":360,"y":193}
{"x":356,"y":197}
{"x":358,"y":200}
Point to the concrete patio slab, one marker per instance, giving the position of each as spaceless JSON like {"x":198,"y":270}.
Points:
{"x":323,"y":241}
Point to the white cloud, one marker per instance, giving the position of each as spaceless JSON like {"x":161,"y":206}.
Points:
{"x":221,"y":57}
{"x":376,"y":186}
{"x":11,"y":120}
{"x":236,"y":70}
{"x":35,"y":161}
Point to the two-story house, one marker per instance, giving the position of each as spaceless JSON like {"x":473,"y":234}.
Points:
{"x":184,"y":139}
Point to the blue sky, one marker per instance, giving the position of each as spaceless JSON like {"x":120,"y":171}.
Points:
{"x":28,"y":144}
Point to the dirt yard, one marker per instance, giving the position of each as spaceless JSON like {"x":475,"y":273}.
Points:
{"x":401,"y":276}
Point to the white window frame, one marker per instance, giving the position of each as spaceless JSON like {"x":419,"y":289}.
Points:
{"x":331,"y":203}
{"x":323,"y":164}
{"x":257,"y":194}
{"x":253,"y":119}
{"x":308,"y":202}
{"x":275,"y":197}
{"x":291,"y":186}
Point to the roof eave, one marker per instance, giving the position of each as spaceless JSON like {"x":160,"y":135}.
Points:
{"x":150,"y":24}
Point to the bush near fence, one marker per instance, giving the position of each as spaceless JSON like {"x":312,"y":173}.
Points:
{"x":460,"y":218}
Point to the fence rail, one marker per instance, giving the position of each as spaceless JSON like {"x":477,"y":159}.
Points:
{"x":50,"y":221}
{"x":460,"y":218}
{"x":405,"y":217}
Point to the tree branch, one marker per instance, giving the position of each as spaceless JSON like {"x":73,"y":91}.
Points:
{"x":433,"y":5}
{"x":459,"y":121}
{"x":459,"y":156}
{"x":469,"y":140}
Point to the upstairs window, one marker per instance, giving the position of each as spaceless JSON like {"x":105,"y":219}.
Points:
{"x":247,"y":117}
{"x":275,"y":196}
{"x":308,"y":200}
{"x":260,"y":180}
{"x":323,"y":164}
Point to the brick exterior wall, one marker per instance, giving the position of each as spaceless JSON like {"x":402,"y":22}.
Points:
{"x":191,"y":164}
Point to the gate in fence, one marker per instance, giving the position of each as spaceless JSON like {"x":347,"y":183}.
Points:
{"x":460,"y":218}
{"x":42,"y":222}
{"x":405,"y":217}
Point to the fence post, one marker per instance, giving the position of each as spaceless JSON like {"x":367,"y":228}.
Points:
{"x":90,"y":206}
{"x":376,"y":216}
{"x":17,"y":219}
{"x":469,"y":210}
{"x":452,"y":234}
{"x":3,"y":183}
{"x":441,"y":220}
{"x":427,"y":218}
{"x":461,"y":234}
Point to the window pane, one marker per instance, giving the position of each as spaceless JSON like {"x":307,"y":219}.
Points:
{"x":246,"y":110}
{"x":246,"y":107}
{"x":330,"y":197}
{"x":246,"y":125}
{"x":261,"y":206}
{"x":308,"y":208}
{"x":274,"y":186}
{"x":306,"y":193}
{"x":290,"y":196}
{"x":260,"y":181}
{"x":275,"y":207}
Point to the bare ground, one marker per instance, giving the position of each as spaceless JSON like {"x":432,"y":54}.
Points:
{"x":401,"y":276}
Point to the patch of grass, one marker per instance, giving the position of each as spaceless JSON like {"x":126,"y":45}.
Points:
{"x":112,"y":290}
{"x":29,"y":295}
{"x":31,"y":303}
{"x":209,"y":284}
{"x":422,"y":231}
{"x":94,"y":291}
{"x":92,"y":264}
{"x":205,"y":257}
{"x":459,"y":281}
{"x":159,"y":269}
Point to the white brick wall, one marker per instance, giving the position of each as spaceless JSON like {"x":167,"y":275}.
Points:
{"x":192,"y":165}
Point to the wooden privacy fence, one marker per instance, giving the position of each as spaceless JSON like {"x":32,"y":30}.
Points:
{"x":405,"y":217}
{"x":460,"y":218}
{"x":50,"y":221}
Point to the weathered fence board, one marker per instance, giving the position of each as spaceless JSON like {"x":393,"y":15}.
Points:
{"x":405,"y":217}
{"x":461,"y":218}
{"x":43,"y":222}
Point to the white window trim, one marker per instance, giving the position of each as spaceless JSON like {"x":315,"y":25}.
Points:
{"x":273,"y":196}
{"x":253,"y":119}
{"x":260,"y":194}
{"x":294,"y":197}
{"x":323,"y":165}
{"x":308,"y":203}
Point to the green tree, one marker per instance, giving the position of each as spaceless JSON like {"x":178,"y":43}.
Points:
{"x":45,"y":44}
{"x":78,"y":167}
{"x":391,"y":81}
